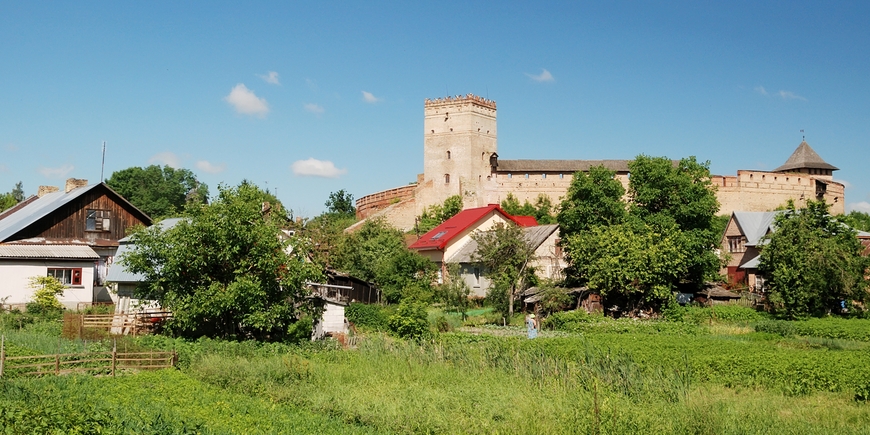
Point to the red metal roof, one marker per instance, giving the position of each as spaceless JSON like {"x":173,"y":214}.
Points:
{"x":439,"y":236}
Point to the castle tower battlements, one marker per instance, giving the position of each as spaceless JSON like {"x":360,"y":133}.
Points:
{"x":459,"y":137}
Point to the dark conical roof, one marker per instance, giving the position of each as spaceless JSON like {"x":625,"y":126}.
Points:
{"x":804,"y":157}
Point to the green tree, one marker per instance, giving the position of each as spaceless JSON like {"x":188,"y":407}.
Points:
{"x":376,"y":252}
{"x":7,"y":201}
{"x":631,"y":264}
{"x":159,"y":192}
{"x":340,"y":203}
{"x":46,"y":289}
{"x":542,"y":210}
{"x":671,"y":211}
{"x":455,"y":291}
{"x":812,"y":262}
{"x":503,"y":254}
{"x":593,"y":199}
{"x":857,"y":220}
{"x":436,"y":214}
{"x":225,"y":271}
{"x":18,"y":192}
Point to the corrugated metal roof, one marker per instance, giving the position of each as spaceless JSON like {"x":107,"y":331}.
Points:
{"x":535,"y":236}
{"x":439,"y":236}
{"x":755,"y":224}
{"x":38,"y":209}
{"x":118,"y":272}
{"x":70,"y":252}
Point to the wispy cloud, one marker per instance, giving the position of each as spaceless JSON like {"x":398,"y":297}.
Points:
{"x":211,"y":168}
{"x":368,"y":97}
{"x":311,"y":84}
{"x":245,"y":101}
{"x":862,"y":206}
{"x":316,"y":168}
{"x":314,"y":108}
{"x":271,"y":77}
{"x":544,"y":76}
{"x":59,"y":172}
{"x":789,"y":95}
{"x":761,"y":90}
{"x":845,"y":183}
{"x":4,"y":168}
{"x":167,"y":158}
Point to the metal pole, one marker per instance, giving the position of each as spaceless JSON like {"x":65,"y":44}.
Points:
{"x":2,"y":354}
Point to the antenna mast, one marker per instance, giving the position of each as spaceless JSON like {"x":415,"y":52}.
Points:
{"x":103,"y":164}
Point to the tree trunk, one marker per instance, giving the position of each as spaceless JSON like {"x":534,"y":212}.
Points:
{"x":511,"y":303}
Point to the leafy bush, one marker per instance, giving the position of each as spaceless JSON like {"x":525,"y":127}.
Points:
{"x":831,"y":327}
{"x":566,"y":320}
{"x":373,"y":317}
{"x":410,"y":321}
{"x":718,"y":313}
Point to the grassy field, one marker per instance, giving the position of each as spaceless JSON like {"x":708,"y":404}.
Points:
{"x":593,"y":376}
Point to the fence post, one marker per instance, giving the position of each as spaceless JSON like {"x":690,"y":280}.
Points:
{"x":2,"y":354}
{"x":174,"y":360}
{"x":57,"y":363}
{"x":114,"y":355}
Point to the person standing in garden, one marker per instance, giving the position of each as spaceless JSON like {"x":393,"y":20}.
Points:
{"x":532,"y":325}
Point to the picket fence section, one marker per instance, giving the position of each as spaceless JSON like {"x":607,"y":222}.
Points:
{"x":85,"y":362}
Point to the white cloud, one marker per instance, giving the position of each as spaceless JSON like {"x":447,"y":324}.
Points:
{"x":544,"y":76}
{"x":245,"y":101}
{"x":314,"y":108}
{"x":316,"y":168}
{"x":789,"y":95}
{"x":862,"y":206}
{"x":368,"y":97}
{"x":166,"y":158}
{"x":271,"y":77}
{"x":311,"y":84}
{"x":761,"y":90}
{"x":60,"y":172}
{"x":209,"y":167}
{"x":845,"y":183}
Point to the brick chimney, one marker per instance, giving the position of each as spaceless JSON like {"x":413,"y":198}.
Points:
{"x":74,"y":183}
{"x":45,"y":190}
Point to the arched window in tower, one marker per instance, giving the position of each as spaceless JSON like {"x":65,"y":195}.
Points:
{"x":448,"y":155}
{"x":446,"y":178}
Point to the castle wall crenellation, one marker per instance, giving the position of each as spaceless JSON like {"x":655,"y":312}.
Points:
{"x":460,"y":139}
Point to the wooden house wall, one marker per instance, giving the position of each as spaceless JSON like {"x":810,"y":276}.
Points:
{"x":69,"y":221}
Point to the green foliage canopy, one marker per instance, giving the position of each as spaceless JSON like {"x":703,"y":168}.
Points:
{"x":436,"y":214}
{"x":159,"y":192}
{"x":376,"y":252}
{"x":857,"y":220}
{"x":812,"y":262}
{"x":542,"y":210}
{"x":665,"y":238}
{"x":593,"y":199}
{"x":224,"y":271}
{"x":504,"y":254}
{"x":340,"y":203}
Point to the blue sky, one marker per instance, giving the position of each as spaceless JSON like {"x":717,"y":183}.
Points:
{"x":312,"y":97}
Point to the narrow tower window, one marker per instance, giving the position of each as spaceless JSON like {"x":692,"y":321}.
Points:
{"x":448,"y":155}
{"x":446,"y":178}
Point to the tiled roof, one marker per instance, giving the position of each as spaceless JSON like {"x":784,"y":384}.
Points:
{"x":804,"y":157}
{"x":439,"y":236}
{"x":63,"y":252}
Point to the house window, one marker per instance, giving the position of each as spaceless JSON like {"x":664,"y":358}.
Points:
{"x":72,"y":276}
{"x":736,"y":244}
{"x":477,"y":277}
{"x":98,"y":220}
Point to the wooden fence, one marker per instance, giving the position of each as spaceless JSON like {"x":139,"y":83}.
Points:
{"x":95,"y":325}
{"x":85,"y":362}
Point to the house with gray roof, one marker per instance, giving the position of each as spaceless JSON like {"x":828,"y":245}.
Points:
{"x":742,"y":242}
{"x":72,"y":235}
